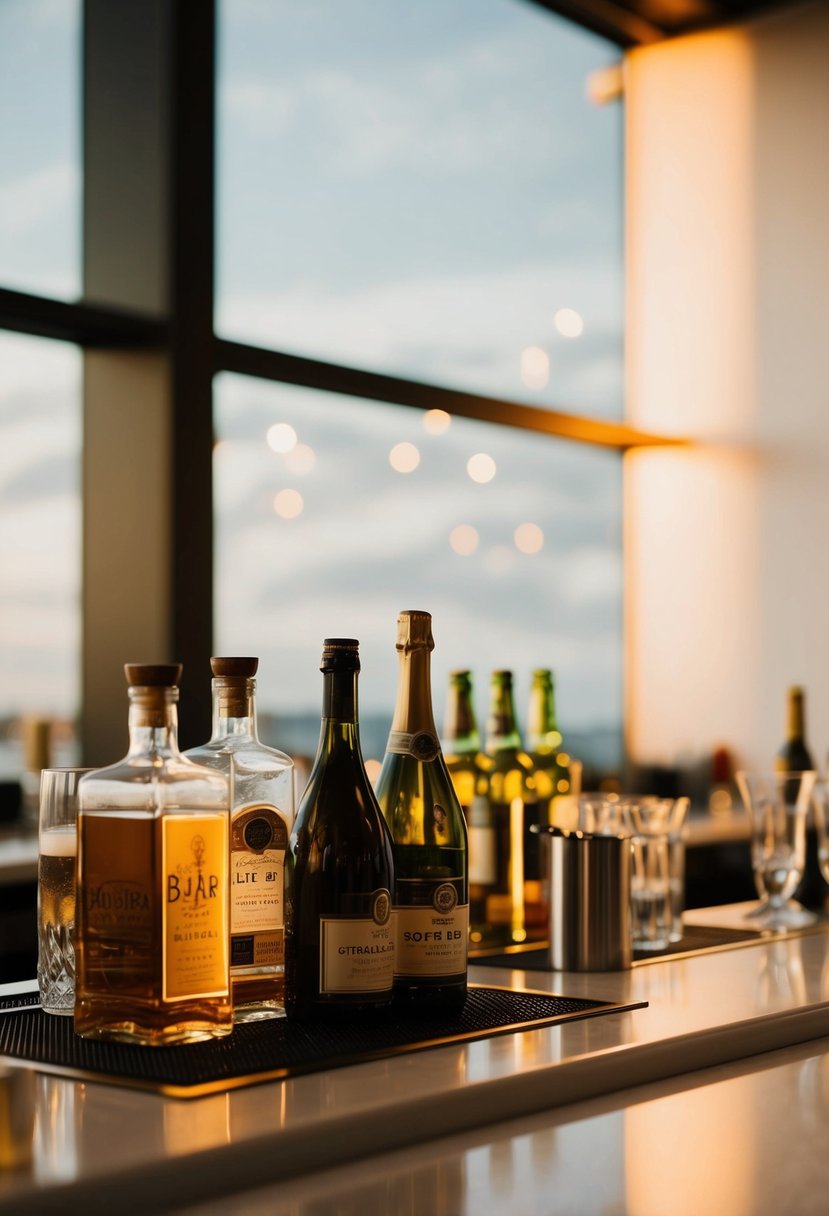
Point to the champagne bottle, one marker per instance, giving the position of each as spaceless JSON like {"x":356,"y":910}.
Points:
{"x":794,"y":756}
{"x":514,"y":907}
{"x":419,"y":804}
{"x":261,"y":813}
{"x":466,"y":763}
{"x":551,"y":764}
{"x":339,"y":876}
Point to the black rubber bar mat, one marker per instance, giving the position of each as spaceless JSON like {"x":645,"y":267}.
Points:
{"x":697,"y":939}
{"x":266,"y":1051}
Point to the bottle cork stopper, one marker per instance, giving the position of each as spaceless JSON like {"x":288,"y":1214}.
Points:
{"x":235,"y":668}
{"x":153,"y":675}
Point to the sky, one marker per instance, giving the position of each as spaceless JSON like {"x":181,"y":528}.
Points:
{"x":421,"y":189}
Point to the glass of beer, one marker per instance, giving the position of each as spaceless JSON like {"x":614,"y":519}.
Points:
{"x":57,"y":850}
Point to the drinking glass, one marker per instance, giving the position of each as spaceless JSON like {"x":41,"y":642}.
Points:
{"x":57,"y":849}
{"x":777,"y":804}
{"x":821,"y":805}
{"x":650,"y":815}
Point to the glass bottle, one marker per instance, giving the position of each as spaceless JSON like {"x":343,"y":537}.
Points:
{"x":514,"y":908}
{"x":339,"y":876}
{"x":421,"y":808}
{"x":794,"y":756}
{"x":466,"y":765}
{"x":261,"y":814}
{"x":551,"y":764}
{"x":152,"y":895}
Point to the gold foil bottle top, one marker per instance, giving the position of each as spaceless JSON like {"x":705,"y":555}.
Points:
{"x":153,"y":675}
{"x":414,"y":630}
{"x":234,"y":668}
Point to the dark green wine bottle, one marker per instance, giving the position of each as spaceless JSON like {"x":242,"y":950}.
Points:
{"x":794,"y":756}
{"x":339,"y":876}
{"x":551,"y":764}
{"x":421,"y":808}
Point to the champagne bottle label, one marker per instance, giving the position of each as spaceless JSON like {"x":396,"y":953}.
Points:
{"x":194,"y":903}
{"x":483,"y":869}
{"x":258,"y":840}
{"x":432,"y":929}
{"x":357,"y":953}
{"x":423,"y":745}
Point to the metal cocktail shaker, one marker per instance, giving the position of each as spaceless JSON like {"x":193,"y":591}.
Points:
{"x":587,"y":881}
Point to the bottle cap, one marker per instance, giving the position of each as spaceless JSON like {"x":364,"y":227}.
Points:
{"x":542,"y":673}
{"x":153,"y":675}
{"x":234,"y":669}
{"x":340,"y":654}
{"x":414,"y":630}
{"x":503,"y":677}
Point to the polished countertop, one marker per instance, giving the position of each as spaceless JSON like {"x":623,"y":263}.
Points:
{"x":91,"y":1142}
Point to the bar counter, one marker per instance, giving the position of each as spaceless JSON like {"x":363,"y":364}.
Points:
{"x":100,"y":1144}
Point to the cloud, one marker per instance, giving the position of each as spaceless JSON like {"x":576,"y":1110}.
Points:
{"x":27,"y":202}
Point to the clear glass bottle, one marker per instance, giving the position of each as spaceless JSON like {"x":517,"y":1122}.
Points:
{"x":551,"y":763}
{"x":152,"y":896}
{"x":466,"y":764}
{"x":339,"y":876}
{"x":515,"y":911}
{"x":261,"y":814}
{"x":421,"y":808}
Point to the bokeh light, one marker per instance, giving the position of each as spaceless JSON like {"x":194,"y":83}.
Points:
{"x":404,"y":457}
{"x":569,"y":323}
{"x":481,"y":468}
{"x":437,"y":421}
{"x":281,"y":437}
{"x":288,"y":504}
{"x":301,"y":459}
{"x":464,"y":539}
{"x":529,"y":538}
{"x":535,"y":367}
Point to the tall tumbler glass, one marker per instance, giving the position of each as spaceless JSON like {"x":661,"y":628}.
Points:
{"x":57,"y":850}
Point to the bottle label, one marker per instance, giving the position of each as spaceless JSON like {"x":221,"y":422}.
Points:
{"x":357,"y":953}
{"x":423,"y":744}
{"x":258,"y":840}
{"x":483,"y":868}
{"x":194,"y":906}
{"x":432,"y":930}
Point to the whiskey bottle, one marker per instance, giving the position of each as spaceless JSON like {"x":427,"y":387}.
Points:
{"x":339,"y":875}
{"x":152,"y":895}
{"x":421,"y":808}
{"x":261,"y":814}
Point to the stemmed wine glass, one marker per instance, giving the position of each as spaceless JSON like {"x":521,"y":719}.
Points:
{"x":777,"y":804}
{"x":821,"y":805}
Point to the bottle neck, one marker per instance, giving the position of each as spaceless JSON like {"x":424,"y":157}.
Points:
{"x":542,"y":730}
{"x":796,"y":718}
{"x":460,"y":727}
{"x":340,"y":726}
{"x":413,"y":708}
{"x":153,"y":722}
{"x":234,"y":709}
{"x":501,"y":728}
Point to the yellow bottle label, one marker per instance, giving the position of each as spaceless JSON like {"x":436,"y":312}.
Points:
{"x":195,"y":906}
{"x":431,"y":942}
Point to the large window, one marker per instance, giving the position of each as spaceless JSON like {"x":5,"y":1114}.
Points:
{"x":416,"y":260}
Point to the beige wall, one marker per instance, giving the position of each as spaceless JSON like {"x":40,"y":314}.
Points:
{"x":727,"y":546}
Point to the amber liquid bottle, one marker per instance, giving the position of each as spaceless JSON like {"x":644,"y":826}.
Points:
{"x":152,"y":894}
{"x":339,"y":877}
{"x":419,"y":804}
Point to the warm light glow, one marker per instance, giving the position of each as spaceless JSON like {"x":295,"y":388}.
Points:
{"x":437,"y":421}
{"x":529,"y":538}
{"x":288,"y":504}
{"x":464,"y":539}
{"x":301,"y":459}
{"x":535,"y":367}
{"x":480,"y":467}
{"x":281,"y":437}
{"x":568,"y":323}
{"x":404,"y":457}
{"x":373,"y":770}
